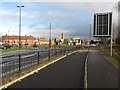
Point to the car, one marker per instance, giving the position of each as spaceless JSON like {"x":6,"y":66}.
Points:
{"x":94,"y":45}
{"x":7,"y":46}
{"x":34,"y":45}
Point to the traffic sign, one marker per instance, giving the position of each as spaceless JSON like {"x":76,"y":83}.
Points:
{"x":102,"y":24}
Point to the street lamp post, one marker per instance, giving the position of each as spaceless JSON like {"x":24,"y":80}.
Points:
{"x":90,"y":33}
{"x":49,"y":43}
{"x":50,"y":37}
{"x":90,"y":37}
{"x":20,"y":25}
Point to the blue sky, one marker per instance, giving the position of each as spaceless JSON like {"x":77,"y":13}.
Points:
{"x":71,"y":18}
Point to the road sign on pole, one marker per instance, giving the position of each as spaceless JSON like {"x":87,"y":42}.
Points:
{"x":103,"y":26}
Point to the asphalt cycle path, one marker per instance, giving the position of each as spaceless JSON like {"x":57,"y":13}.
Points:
{"x":65,"y":73}
{"x":101,"y":73}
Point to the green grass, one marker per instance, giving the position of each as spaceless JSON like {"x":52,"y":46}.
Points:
{"x":13,"y":50}
{"x":62,"y":46}
{"x":115,"y":59}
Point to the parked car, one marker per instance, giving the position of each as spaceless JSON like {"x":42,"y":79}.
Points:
{"x":34,"y":45}
{"x":95,"y":45}
{"x":7,"y":46}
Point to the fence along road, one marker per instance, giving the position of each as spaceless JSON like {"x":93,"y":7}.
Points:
{"x":15,"y":63}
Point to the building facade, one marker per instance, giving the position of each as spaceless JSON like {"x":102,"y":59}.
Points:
{"x":14,"y":39}
{"x":25,"y":40}
{"x":43,"y":41}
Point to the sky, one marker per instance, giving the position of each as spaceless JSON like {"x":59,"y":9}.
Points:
{"x":71,"y":18}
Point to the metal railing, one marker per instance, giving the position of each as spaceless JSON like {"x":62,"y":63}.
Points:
{"x":16,"y":63}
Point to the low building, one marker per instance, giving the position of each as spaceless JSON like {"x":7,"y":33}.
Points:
{"x":77,"y":41}
{"x":14,"y":39}
{"x":62,"y":37}
{"x":43,"y":41}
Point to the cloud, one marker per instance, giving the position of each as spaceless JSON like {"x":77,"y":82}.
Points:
{"x":6,"y":14}
{"x":73,"y":19}
{"x":60,"y":0}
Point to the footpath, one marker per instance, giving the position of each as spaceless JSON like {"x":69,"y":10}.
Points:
{"x":101,"y":73}
{"x":65,"y":73}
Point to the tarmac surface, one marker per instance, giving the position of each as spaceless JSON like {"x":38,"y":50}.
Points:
{"x":66,"y":73}
{"x":69,"y":73}
{"x":101,"y":73}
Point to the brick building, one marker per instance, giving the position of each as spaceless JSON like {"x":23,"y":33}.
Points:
{"x":30,"y":40}
{"x":45,"y":41}
{"x":14,"y":39}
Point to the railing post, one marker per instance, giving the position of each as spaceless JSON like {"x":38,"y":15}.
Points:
{"x":61,"y":51}
{"x":48,"y":54}
{"x":19,"y":62}
{"x":56,"y":52}
{"x":64,"y":51}
{"x":2,"y":74}
{"x":38,"y":57}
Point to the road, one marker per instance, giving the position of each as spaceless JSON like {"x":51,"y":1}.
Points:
{"x":66,"y":73}
{"x":14,"y":63}
{"x":11,"y":64}
{"x":40,"y":48}
{"x":10,"y":61}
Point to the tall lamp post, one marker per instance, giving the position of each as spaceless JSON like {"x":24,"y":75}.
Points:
{"x":20,"y":25}
{"x":90,"y":34}
{"x":50,"y":37}
{"x":49,"y":43}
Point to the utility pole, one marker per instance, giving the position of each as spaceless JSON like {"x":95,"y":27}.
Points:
{"x":50,"y":37}
{"x":20,"y":25}
{"x":49,"y":43}
{"x":90,"y":32}
{"x":90,"y":36}
{"x":8,"y":37}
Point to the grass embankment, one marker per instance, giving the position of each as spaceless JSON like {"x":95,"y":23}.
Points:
{"x":115,"y":59}
{"x":13,"y":50}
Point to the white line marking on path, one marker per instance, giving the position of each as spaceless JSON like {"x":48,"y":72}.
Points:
{"x":86,"y":71}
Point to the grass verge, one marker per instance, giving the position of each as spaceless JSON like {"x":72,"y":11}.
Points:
{"x":62,"y":46}
{"x":13,"y":50}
